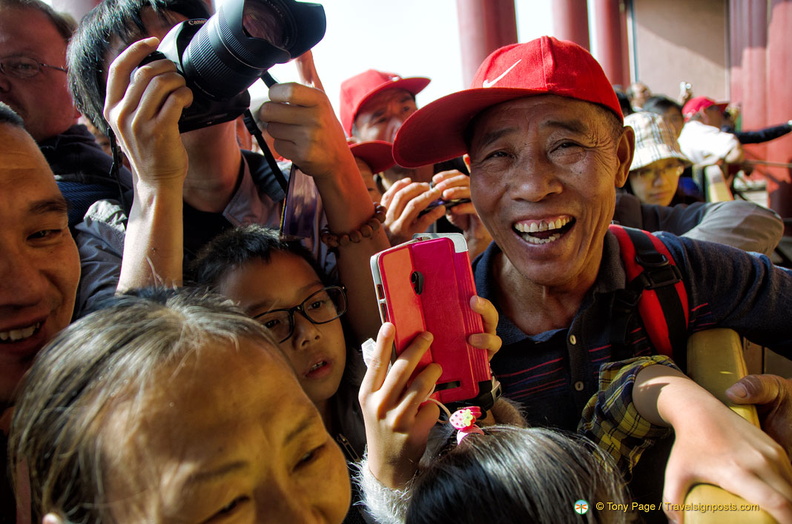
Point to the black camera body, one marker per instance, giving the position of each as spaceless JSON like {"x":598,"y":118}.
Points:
{"x":222,"y":56}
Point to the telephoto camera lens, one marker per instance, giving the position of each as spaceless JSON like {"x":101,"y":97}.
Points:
{"x":245,"y":38}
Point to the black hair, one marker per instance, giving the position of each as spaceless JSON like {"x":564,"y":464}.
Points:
{"x":9,"y":116}
{"x":659,"y":104}
{"x":624,"y":102}
{"x":109,"y":23}
{"x":239,"y":245}
{"x":512,"y":474}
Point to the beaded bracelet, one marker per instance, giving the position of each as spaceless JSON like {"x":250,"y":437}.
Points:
{"x":333,"y":240}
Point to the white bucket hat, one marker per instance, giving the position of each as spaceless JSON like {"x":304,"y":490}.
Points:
{"x":654,"y":139}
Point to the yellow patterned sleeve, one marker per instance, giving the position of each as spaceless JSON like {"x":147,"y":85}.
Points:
{"x":610,"y":418}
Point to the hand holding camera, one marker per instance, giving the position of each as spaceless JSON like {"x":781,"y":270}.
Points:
{"x":143,"y":106}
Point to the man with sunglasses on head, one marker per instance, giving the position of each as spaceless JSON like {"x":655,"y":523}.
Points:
{"x":33,"y":81}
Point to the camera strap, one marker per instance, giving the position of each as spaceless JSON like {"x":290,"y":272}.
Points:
{"x":254,"y":130}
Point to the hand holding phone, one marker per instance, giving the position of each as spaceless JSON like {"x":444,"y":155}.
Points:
{"x":426,"y":285}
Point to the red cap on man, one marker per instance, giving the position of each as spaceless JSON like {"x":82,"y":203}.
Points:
{"x":545,"y":66}
{"x":700,"y":103}
{"x":357,"y":90}
{"x":377,"y":154}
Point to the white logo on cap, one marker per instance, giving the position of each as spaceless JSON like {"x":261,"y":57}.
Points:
{"x":488,"y":83}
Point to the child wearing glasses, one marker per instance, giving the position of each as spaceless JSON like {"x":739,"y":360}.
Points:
{"x":278,"y":283}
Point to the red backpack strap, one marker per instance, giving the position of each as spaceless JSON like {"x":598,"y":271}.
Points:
{"x":655,"y":286}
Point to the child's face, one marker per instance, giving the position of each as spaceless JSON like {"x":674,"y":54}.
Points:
{"x":368,"y":180}
{"x":230,"y":437}
{"x":317,"y":352}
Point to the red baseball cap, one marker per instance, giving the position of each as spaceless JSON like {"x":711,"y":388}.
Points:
{"x":545,"y":66}
{"x":359,"y":89}
{"x":378,"y":154}
{"x":700,"y":103}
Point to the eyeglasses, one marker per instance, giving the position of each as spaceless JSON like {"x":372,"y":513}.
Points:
{"x":23,"y":67}
{"x":648,"y":173}
{"x":320,"y":308}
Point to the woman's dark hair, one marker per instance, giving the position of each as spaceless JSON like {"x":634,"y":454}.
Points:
{"x":513,"y":474}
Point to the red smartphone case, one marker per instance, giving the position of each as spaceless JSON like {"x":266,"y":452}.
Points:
{"x":426,"y":285}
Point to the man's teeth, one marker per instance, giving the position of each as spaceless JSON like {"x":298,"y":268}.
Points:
{"x":534,"y":240}
{"x":15,"y":335}
{"x":542,"y":225}
{"x":316,"y":366}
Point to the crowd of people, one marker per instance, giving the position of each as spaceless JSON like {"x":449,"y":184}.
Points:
{"x":168,"y":354}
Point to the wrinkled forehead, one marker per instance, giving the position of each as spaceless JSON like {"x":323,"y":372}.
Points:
{"x":519,"y":114}
{"x":26,"y":29}
{"x":190,"y":408}
{"x":256,"y":367}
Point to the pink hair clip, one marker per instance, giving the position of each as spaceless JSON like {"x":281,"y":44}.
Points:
{"x":464,"y":420}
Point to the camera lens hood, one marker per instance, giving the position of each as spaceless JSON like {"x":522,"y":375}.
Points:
{"x":224,"y":59}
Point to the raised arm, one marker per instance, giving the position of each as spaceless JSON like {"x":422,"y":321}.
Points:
{"x":306,"y":131}
{"x":736,"y":223}
{"x":143,"y":107}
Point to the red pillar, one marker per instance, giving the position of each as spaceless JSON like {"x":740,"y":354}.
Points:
{"x":625,"y":45}
{"x":610,"y":30}
{"x":755,"y":92}
{"x":779,"y":105}
{"x":748,"y":69}
{"x":570,"y":21}
{"x":739,"y":18}
{"x":484,"y":26}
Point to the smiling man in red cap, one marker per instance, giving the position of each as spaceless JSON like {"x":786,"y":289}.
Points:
{"x":374,"y":104}
{"x":548,"y":148}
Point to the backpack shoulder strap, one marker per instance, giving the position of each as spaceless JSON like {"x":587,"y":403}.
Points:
{"x":655,"y":285}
